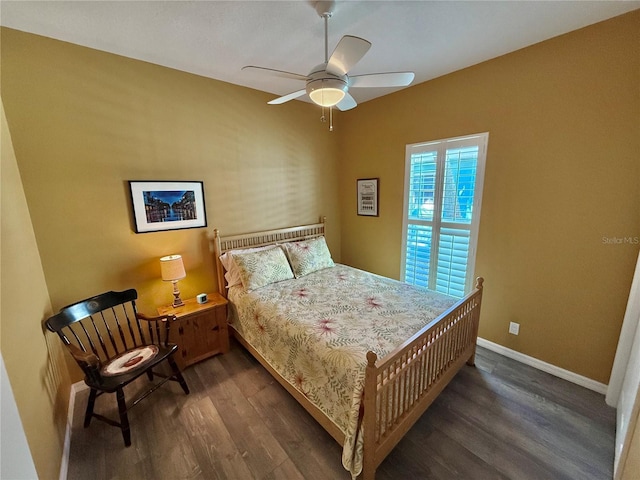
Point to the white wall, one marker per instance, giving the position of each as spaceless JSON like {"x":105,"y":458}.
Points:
{"x":624,"y":386}
{"x":15,"y":458}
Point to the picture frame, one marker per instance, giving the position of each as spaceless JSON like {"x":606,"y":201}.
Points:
{"x":368,"y":196}
{"x":167,"y":205}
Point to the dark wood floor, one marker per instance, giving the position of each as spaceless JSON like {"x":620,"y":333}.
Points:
{"x":499,"y":420}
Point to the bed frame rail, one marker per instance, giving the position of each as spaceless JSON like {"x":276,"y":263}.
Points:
{"x":408,"y":380}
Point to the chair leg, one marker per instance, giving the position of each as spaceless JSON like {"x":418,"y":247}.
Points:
{"x":178,"y":375}
{"x":90,"y":403}
{"x":124,"y":419}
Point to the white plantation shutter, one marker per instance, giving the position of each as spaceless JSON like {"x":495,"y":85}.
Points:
{"x":418,"y":260}
{"x":453,"y":254}
{"x":443,"y":190}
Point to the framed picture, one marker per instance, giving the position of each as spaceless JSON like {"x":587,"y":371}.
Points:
{"x":368,"y":196}
{"x":167,"y":205}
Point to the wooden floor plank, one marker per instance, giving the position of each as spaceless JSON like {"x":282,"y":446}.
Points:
{"x":286,"y":420}
{"x":553,"y":389}
{"x":259,"y":449}
{"x":300,"y":435}
{"x":285,"y":471}
{"x":558,"y":428}
{"x":432,"y":454}
{"x":475,"y":434}
{"x":500,"y":420}
{"x":215,"y":449}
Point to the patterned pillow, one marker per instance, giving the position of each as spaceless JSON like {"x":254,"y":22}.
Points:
{"x":308,"y":256}
{"x":233,"y":275}
{"x":261,"y":268}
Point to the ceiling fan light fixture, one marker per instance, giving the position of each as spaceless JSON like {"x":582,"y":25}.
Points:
{"x":327,"y":92}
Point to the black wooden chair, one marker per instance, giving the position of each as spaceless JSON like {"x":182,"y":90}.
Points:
{"x":114,"y":345}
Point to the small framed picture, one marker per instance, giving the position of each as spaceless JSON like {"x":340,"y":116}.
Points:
{"x":368,"y":196}
{"x":167,"y":205}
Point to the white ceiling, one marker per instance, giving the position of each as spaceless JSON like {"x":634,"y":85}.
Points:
{"x":217,"y":38}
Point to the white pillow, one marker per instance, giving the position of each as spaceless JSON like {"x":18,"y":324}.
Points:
{"x":233,"y":275}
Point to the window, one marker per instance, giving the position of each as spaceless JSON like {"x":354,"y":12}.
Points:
{"x":443,"y":192}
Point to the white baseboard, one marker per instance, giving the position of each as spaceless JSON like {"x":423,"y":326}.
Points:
{"x":64,"y":465}
{"x":544,"y":366}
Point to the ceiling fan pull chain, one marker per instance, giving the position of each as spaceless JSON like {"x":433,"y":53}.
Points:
{"x":322,"y":117}
{"x":331,"y":119}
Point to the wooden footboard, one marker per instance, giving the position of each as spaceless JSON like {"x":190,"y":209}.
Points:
{"x":407,"y":381}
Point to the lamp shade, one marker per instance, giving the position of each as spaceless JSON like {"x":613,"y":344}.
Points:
{"x":327,"y":92}
{"x":172,"y":268}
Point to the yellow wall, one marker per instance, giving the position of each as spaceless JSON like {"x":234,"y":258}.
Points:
{"x":84,"y":122}
{"x":34,"y":362}
{"x":562,"y":172}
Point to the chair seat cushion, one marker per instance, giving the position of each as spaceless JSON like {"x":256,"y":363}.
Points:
{"x":129,"y":360}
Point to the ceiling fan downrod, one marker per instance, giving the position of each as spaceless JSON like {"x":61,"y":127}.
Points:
{"x":325,"y":10}
{"x":326,"y":17}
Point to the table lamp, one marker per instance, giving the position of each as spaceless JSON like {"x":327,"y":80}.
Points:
{"x":172,"y":270}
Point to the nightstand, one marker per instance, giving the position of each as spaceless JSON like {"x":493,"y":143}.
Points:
{"x":200,"y":330}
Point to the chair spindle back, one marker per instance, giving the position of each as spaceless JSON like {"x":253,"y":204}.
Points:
{"x":107,"y":325}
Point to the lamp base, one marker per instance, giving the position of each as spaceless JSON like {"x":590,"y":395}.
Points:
{"x":177,"y":301}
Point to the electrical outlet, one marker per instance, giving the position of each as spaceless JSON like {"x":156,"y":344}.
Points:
{"x":514,"y":328}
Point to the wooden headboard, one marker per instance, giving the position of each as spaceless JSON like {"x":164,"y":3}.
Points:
{"x":223,"y":244}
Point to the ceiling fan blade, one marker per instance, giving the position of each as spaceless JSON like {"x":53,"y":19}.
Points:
{"x":391,"y":79}
{"x":286,"y":98}
{"x":279,"y":73}
{"x":348,"y":52}
{"x":347,"y":103}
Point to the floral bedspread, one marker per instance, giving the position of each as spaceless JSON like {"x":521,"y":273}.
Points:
{"x":316,"y":330}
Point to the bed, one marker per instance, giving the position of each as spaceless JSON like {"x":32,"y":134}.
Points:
{"x":363,"y":354}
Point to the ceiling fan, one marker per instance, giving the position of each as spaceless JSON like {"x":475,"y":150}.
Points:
{"x":328,"y":83}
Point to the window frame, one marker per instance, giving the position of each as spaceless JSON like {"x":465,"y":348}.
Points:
{"x":441,"y":146}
